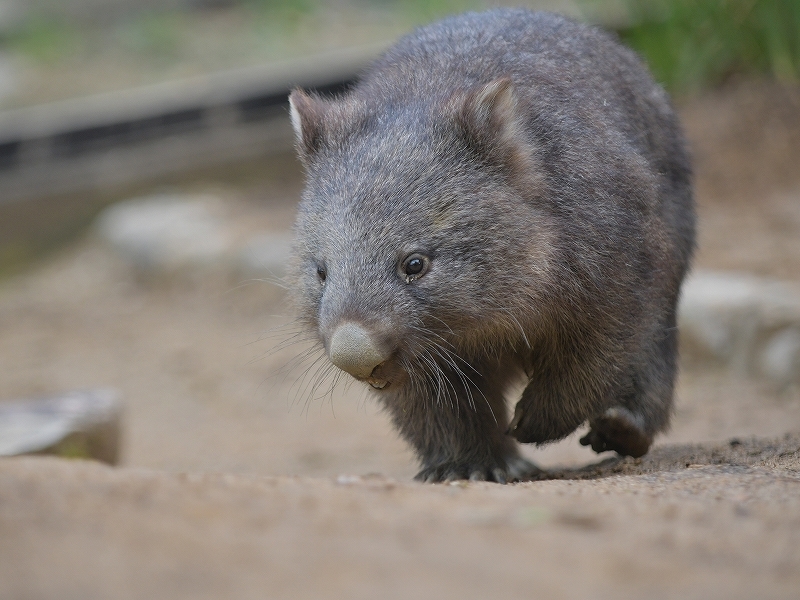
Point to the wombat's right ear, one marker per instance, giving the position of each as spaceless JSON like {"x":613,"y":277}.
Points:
{"x":492,"y":122}
{"x":308,"y":117}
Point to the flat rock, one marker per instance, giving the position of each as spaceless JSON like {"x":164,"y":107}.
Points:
{"x":746,"y":323}
{"x":77,"y":424}
{"x":189,"y":234}
{"x":166,"y":232}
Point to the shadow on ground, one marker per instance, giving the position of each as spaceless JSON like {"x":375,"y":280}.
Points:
{"x":738,"y":452}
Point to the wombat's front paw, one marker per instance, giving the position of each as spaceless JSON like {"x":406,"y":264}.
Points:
{"x":514,"y":469}
{"x":453,"y":471}
{"x":530,"y":425}
{"x":618,"y":430}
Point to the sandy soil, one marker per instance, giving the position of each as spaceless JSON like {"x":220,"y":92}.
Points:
{"x":266,"y":511}
{"x":686,"y":521}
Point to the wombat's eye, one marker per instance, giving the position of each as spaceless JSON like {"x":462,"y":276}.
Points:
{"x":415,"y":266}
{"x":322,"y":274}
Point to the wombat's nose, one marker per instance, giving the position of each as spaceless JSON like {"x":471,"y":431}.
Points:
{"x":352,"y":350}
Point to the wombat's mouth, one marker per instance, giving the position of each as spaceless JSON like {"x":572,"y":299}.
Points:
{"x":382,"y":375}
{"x":378,"y":384}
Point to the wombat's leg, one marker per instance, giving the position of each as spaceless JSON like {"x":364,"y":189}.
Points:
{"x":620,"y":430}
{"x":460,"y":433}
{"x":557,"y":400}
{"x":628,"y":427}
{"x":545,"y":413}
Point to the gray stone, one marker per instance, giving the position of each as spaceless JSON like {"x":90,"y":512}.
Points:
{"x":779,"y":358}
{"x":166,"y":232}
{"x":80,"y":424}
{"x":747,"y":323}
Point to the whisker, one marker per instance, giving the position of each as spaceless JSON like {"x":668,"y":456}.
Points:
{"x":276,"y":281}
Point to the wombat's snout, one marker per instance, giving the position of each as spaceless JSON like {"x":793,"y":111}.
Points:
{"x":352,"y":349}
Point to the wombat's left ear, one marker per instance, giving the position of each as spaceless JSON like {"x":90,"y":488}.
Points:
{"x":491,"y":121}
{"x":308,"y":118}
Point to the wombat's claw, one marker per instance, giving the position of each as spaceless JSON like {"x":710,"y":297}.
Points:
{"x":619,"y":430}
{"x":457,"y":471}
{"x":515,"y":421}
{"x":521,"y":469}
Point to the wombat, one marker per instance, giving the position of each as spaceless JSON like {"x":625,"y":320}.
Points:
{"x":502,"y":195}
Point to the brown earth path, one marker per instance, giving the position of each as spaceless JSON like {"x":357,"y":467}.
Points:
{"x":684,"y":522}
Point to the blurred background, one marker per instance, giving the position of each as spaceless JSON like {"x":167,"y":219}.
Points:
{"x":148,"y":187}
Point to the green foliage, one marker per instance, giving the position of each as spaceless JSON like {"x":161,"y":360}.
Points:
{"x":422,"y":11}
{"x":692,"y":44}
{"x":284,"y":10}
{"x":416,"y":11}
{"x":154,"y":34}
{"x":689,"y":44}
{"x":283,"y":6}
{"x":44,"y":40}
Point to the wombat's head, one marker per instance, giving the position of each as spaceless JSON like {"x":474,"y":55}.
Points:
{"x":420,"y":235}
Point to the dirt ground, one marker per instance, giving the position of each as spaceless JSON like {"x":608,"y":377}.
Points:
{"x":238,"y":481}
{"x":685,"y":522}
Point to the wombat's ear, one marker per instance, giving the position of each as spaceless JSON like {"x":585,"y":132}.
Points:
{"x":308,"y":118}
{"x":490,"y":119}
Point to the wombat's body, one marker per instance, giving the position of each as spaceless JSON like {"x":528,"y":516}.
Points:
{"x":503,"y":195}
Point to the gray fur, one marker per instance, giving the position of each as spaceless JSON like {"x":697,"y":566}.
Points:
{"x":541,"y":170}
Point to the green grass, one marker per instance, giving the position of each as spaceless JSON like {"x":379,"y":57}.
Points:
{"x":44,"y":40}
{"x":424,"y":11}
{"x":695,"y":44}
{"x":286,"y":8}
{"x":154,"y":35}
